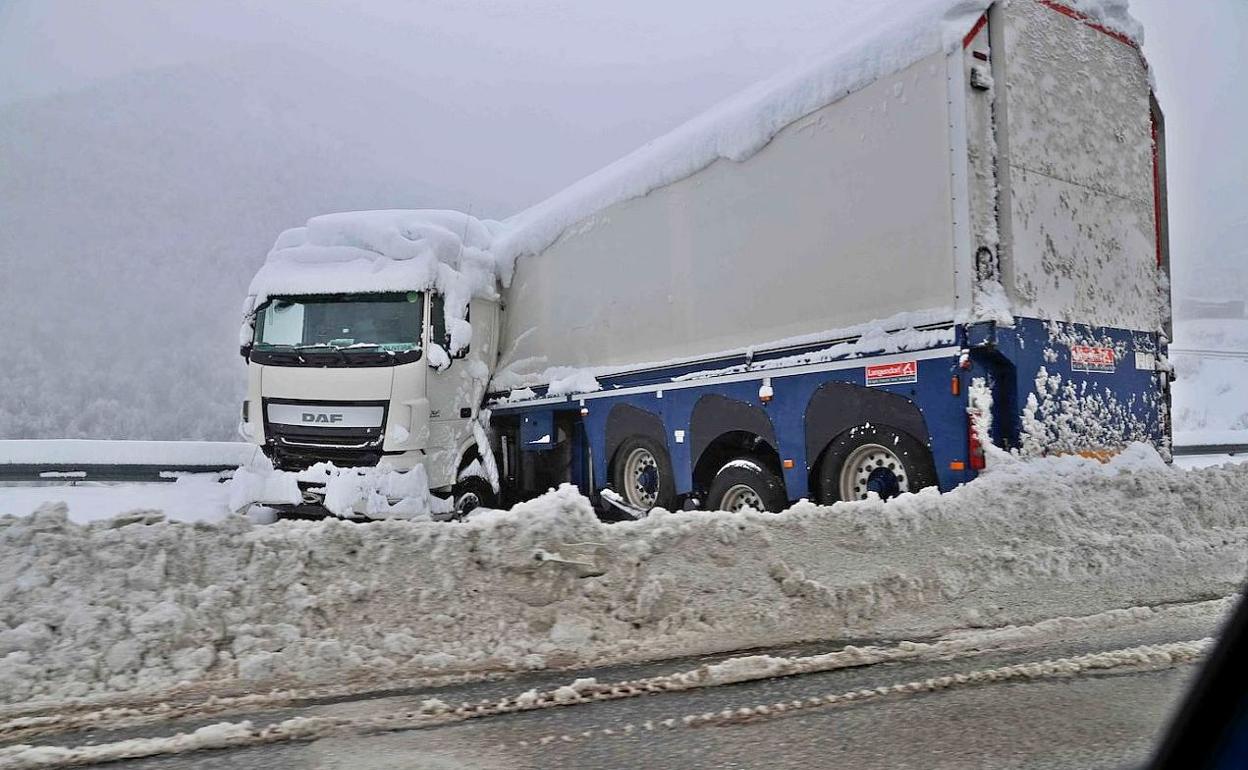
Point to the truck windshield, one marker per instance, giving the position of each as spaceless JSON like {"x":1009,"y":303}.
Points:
{"x":342,"y":323}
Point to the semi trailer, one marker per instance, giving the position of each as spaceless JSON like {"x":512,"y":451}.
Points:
{"x":947,"y":237}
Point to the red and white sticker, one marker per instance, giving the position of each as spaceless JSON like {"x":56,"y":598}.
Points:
{"x":1088,"y":359}
{"x":893,"y":374}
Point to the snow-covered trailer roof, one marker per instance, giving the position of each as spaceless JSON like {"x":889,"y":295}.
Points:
{"x":874,"y":39}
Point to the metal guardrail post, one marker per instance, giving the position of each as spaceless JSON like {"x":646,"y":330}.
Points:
{"x":71,"y":472}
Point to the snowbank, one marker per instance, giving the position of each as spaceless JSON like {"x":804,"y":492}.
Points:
{"x":133,"y":605}
{"x":348,"y":492}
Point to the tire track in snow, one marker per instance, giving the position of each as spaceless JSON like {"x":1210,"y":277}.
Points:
{"x":959,"y":644}
{"x":1144,"y":658}
{"x":434,"y":713}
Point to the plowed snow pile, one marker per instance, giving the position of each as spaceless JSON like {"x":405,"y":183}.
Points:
{"x":142,"y":604}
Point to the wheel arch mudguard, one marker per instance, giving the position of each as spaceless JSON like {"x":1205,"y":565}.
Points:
{"x":625,"y":421}
{"x":715,"y":415}
{"x":468,"y":451}
{"x":835,"y":407}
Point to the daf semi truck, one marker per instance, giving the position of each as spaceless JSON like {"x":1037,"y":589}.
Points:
{"x":865,"y":281}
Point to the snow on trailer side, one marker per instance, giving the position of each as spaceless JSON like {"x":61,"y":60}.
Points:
{"x":841,"y":219}
{"x":1080,"y":220}
{"x":1076,"y":192}
{"x":821,"y":199}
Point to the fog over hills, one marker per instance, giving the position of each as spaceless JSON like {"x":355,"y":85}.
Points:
{"x":134,"y":212}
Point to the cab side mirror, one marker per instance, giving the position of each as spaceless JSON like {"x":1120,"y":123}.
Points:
{"x":248,"y":329}
{"x":439,"y":360}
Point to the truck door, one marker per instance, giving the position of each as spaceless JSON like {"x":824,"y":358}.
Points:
{"x":455,"y":385}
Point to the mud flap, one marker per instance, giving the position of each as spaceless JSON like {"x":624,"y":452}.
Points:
{"x":612,"y":501}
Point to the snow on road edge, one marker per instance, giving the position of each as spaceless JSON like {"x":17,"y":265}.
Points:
{"x":99,"y":608}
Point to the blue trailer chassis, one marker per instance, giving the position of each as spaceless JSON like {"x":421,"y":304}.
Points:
{"x":1056,"y":388}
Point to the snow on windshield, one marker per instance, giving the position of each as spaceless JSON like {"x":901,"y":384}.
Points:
{"x":389,"y":321}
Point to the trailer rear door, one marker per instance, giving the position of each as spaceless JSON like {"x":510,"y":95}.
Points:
{"x":1082,"y":204}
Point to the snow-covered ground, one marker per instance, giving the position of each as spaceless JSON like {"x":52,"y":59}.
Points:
{"x":1196,"y":462}
{"x":1211,"y":393}
{"x":194,"y":497}
{"x":141,"y":604}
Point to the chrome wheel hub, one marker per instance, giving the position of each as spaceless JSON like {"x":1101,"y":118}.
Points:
{"x":641,"y":478}
{"x":740,"y":497}
{"x":872,"y":468}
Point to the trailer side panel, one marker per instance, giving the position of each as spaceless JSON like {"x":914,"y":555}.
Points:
{"x":843,"y":218}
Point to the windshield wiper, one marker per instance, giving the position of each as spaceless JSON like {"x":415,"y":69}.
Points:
{"x":318,"y":349}
{"x":277,"y":351}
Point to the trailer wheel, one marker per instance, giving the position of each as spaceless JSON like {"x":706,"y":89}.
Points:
{"x":642,"y":474}
{"x":471,"y":493}
{"x":874,"y":458}
{"x":743,"y":483}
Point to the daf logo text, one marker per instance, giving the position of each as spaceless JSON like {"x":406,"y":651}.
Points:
{"x":321,"y":417}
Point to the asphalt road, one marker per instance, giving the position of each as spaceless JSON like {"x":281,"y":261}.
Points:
{"x":1108,"y":720}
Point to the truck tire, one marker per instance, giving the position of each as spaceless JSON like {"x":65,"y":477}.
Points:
{"x":873,"y":458}
{"x":642,"y":474}
{"x":744,"y":483}
{"x":471,"y":493}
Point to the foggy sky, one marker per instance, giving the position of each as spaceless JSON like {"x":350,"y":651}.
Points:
{"x":532,"y":95}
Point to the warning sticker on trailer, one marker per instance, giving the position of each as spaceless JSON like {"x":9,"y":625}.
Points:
{"x":1088,"y":359}
{"x":893,"y":374}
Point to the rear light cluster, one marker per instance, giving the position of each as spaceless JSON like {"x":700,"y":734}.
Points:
{"x":974,"y":447}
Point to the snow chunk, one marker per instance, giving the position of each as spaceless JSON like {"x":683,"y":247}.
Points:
{"x":579,"y":381}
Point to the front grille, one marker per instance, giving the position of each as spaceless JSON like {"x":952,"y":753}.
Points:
{"x":296,"y":447}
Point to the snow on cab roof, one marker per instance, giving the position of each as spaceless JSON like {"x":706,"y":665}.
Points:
{"x":375,"y":251}
{"x":463,"y":255}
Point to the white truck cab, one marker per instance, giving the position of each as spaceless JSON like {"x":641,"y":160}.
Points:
{"x":366,"y":380}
